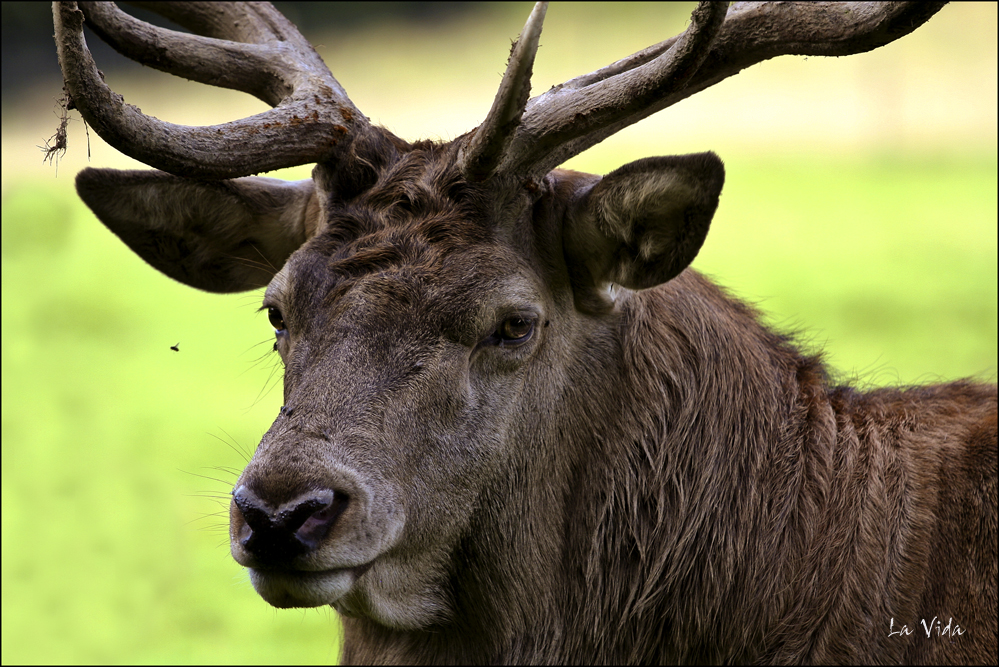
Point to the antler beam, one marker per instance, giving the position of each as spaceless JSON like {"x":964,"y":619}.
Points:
{"x":584,"y":111}
{"x":251,"y":47}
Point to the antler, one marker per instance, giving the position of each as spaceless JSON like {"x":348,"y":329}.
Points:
{"x":490,"y":140}
{"x":248,"y":47}
{"x":565,"y":121}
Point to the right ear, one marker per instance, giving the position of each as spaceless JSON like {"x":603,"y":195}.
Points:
{"x":642,"y":224}
{"x":219,"y":236}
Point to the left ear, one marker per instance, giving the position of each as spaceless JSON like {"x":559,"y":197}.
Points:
{"x":219,"y":236}
{"x":642,"y":224}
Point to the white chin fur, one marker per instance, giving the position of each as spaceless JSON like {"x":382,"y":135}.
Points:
{"x":387,"y":593}
{"x":302,"y":589}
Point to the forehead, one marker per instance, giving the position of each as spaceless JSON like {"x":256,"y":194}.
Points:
{"x":419,"y":235}
{"x":418,"y":204}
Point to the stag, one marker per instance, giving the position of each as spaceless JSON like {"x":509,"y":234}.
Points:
{"x":516,"y":426}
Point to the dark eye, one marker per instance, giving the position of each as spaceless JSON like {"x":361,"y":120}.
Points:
{"x":515,"y":330}
{"x":277,"y":321}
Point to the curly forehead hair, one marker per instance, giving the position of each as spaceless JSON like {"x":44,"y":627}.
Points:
{"x":419,"y":211}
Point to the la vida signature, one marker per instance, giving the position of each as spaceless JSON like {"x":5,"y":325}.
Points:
{"x":941,"y":629}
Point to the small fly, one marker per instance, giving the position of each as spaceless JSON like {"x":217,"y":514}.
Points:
{"x":175,"y":348}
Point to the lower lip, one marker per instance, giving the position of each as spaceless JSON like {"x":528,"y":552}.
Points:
{"x":302,"y":588}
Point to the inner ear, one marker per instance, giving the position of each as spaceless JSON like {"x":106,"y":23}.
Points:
{"x":219,"y":236}
{"x":644,"y":223}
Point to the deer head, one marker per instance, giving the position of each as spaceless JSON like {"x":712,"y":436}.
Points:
{"x":445,"y":313}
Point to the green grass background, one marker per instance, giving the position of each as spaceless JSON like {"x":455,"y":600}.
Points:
{"x":859,"y":210}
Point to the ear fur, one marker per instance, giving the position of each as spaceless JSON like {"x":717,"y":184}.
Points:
{"x":642,"y":224}
{"x":219,"y":236}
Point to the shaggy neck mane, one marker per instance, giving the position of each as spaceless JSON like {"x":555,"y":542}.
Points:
{"x":724,"y":409}
{"x":754,"y":493}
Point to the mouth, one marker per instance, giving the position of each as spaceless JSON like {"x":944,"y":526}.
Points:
{"x":299,"y":588}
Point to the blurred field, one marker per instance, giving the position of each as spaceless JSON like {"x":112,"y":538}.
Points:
{"x":859,"y":210}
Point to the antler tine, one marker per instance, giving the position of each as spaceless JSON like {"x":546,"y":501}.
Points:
{"x":582,"y":112}
{"x":222,"y":61}
{"x":565,"y":116}
{"x":312,"y":120}
{"x":489,"y":141}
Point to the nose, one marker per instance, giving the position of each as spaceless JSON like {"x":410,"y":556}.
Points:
{"x":275,"y":536}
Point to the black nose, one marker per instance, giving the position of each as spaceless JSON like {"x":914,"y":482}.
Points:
{"x":276,"y":535}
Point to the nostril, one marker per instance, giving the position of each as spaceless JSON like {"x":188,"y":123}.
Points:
{"x":294,"y":528}
{"x":314,"y":518}
{"x":255,"y":512}
{"x":294,"y":515}
{"x":245,"y":531}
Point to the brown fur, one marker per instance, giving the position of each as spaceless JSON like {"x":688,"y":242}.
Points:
{"x":686,"y":487}
{"x":652,"y":477}
{"x":739,"y":509}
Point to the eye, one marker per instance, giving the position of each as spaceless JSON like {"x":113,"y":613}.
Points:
{"x":276,"y":319}
{"x":515,"y":330}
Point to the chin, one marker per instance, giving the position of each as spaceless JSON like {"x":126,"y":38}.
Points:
{"x":294,"y":588}
{"x":368,"y":592}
